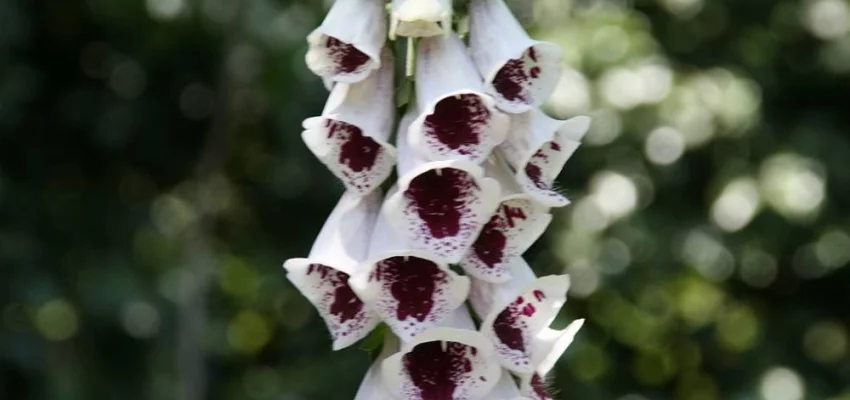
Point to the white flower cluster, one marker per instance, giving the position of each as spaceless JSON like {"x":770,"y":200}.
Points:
{"x":476,"y":162}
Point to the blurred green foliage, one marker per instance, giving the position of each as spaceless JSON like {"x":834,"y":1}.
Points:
{"x":708,"y":240}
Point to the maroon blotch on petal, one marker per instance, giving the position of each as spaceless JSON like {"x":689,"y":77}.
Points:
{"x":437,"y":372}
{"x":345,"y":56}
{"x":438,"y":199}
{"x":413,"y":283}
{"x":357,"y":151}
{"x":346,"y":305}
{"x":457,"y":120}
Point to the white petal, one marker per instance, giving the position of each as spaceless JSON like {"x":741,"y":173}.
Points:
{"x":506,"y":389}
{"x":519,"y":72}
{"x":459,"y":121}
{"x":440,"y":206}
{"x":336,"y":255}
{"x":517,"y":317}
{"x":372,"y":387}
{"x":537,"y":150}
{"x":443,"y":363}
{"x":420,"y":18}
{"x":350,"y":137}
{"x":550,"y":344}
{"x":408,"y":289}
{"x":347,"y":46}
{"x":518,"y":222}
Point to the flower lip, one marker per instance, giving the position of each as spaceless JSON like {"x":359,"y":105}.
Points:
{"x":350,"y":137}
{"x":443,"y":363}
{"x":519,"y":72}
{"x":539,"y":149}
{"x":517,"y":223}
{"x":420,"y":18}
{"x":408,"y":289}
{"x":323,"y":277}
{"x":459,"y":121}
{"x":346,"y":49}
{"x":517,"y":315}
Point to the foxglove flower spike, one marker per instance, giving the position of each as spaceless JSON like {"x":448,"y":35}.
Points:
{"x":537,"y":150}
{"x":459,"y":121}
{"x":519,"y":72}
{"x":337,"y":253}
{"x":347,"y":46}
{"x":350,"y":137}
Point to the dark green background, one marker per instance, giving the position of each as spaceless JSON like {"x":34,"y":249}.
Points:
{"x":142,"y":145}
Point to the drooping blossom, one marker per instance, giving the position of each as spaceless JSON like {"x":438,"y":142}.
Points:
{"x":347,"y":46}
{"x":350,"y":137}
{"x":440,"y":206}
{"x":458,"y":120}
{"x":537,"y":150}
{"x":445,"y":363}
{"x":409,"y":289}
{"x":420,"y":18}
{"x":517,"y":223}
{"x":517,"y":314}
{"x":518,"y":71}
{"x":336,"y":255}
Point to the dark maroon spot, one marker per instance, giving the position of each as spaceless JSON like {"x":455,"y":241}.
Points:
{"x":510,"y":79}
{"x":506,"y":327}
{"x":358,"y":152}
{"x":554,"y":146}
{"x":539,"y":387}
{"x":512,"y":213}
{"x":413,"y":282}
{"x":535,"y":174}
{"x":438,"y":198}
{"x":529,"y":310}
{"x":539,"y":295}
{"x":457,"y":120}
{"x":346,"y":305}
{"x":437,"y":372}
{"x":490,"y":245}
{"x":346,"y":57}
{"x":532,"y":54}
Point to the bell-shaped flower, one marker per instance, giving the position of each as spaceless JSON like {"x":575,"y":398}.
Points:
{"x":350,"y":137}
{"x":537,"y":150}
{"x":336,"y":255}
{"x":506,"y":389}
{"x":517,"y":224}
{"x":408,"y":289}
{"x":458,"y":121}
{"x":372,"y":387}
{"x":420,"y":18}
{"x":519,"y":72}
{"x":445,"y":363}
{"x":441,"y":206}
{"x":347,"y":46}
{"x":517,"y":315}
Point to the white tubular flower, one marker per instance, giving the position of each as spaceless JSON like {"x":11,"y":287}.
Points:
{"x":347,"y":46}
{"x":420,"y":18}
{"x":350,"y":137}
{"x":537,"y":150}
{"x":519,"y":72}
{"x":408,"y":289}
{"x":517,"y":224}
{"x":444,"y":363}
{"x":459,"y":121}
{"x":517,"y":317}
{"x":440,"y":206}
{"x":506,"y":389}
{"x":372,"y":387}
{"x":337,"y":253}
